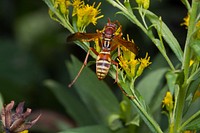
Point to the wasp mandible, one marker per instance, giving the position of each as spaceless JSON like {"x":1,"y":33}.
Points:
{"x":109,"y":39}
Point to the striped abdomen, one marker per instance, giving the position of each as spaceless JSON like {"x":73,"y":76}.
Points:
{"x":103,"y":63}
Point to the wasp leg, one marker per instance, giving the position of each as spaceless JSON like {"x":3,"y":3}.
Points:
{"x":84,"y":64}
{"x":116,"y":64}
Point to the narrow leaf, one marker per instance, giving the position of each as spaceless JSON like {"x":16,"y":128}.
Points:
{"x":70,"y":102}
{"x":150,"y":83}
{"x":151,"y":123}
{"x":194,"y":125}
{"x":171,"y":80}
{"x":166,"y":34}
{"x":195,"y":45}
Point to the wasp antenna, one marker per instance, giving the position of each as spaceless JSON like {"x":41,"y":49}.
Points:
{"x":109,"y":21}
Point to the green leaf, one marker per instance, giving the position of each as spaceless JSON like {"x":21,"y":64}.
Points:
{"x":192,"y":109}
{"x":193,"y":86}
{"x":193,"y":125}
{"x":129,"y":114}
{"x":166,"y":34}
{"x":147,"y":118}
{"x":89,"y":129}
{"x":159,"y":45}
{"x":150,"y":83}
{"x":195,"y":45}
{"x":171,"y":80}
{"x":73,"y":105}
{"x":97,"y":96}
{"x":114,"y":122}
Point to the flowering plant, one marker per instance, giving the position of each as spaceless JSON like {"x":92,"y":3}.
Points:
{"x":15,"y":122}
{"x":182,"y":80}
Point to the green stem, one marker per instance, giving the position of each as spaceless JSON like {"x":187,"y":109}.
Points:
{"x":185,"y":67}
{"x":134,"y":20}
{"x":63,"y":19}
{"x":152,"y":124}
{"x":191,"y":27}
{"x":179,"y":109}
{"x":65,"y":23}
{"x":163,"y":52}
{"x":127,"y":13}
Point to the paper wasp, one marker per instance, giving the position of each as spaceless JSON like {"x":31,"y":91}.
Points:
{"x":109,"y":39}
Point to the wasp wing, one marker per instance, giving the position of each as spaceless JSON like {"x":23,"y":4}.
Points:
{"x":128,"y":44}
{"x":83,"y":36}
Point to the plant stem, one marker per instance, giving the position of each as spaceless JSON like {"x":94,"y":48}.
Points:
{"x":179,"y":108}
{"x":191,"y":27}
{"x":185,"y":67}
{"x":152,"y":124}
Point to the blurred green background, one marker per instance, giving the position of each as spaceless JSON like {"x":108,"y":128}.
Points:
{"x":33,"y":48}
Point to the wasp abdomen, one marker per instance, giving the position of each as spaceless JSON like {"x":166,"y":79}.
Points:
{"x":103,"y":63}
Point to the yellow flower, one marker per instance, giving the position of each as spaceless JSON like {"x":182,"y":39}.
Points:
{"x":128,"y":62}
{"x":186,"y":21}
{"x":168,"y":101}
{"x":128,"y":65}
{"x":133,"y":67}
{"x":143,"y":3}
{"x":25,"y":131}
{"x":144,"y":62}
{"x":191,"y":62}
{"x":86,"y":14}
{"x":76,"y":5}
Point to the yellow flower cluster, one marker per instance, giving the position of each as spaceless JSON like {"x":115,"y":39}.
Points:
{"x":168,"y":101}
{"x":144,"y":62}
{"x":84,"y":13}
{"x":128,"y":62}
{"x":186,"y":21}
{"x":133,"y":67}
